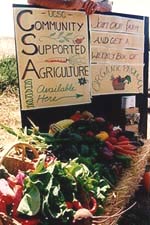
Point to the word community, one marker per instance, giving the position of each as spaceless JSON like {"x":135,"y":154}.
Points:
{"x":46,"y":25}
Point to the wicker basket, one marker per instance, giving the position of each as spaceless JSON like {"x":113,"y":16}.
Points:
{"x":15,"y":158}
{"x":117,"y":200}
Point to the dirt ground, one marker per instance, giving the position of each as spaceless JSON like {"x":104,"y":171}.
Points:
{"x":9,"y":116}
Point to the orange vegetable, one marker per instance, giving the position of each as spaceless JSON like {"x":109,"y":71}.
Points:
{"x":121,"y":150}
{"x":128,"y":146}
{"x":123,"y":142}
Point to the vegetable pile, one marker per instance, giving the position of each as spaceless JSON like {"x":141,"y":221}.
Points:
{"x":81,"y":159}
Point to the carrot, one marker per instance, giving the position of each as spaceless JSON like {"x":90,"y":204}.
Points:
{"x":121,"y":150}
{"x":109,"y":145}
{"x":128,"y":146}
{"x":123,"y":142}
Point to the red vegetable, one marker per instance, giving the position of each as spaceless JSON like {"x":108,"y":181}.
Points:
{"x":109,"y":145}
{"x":146,"y":179}
{"x":128,"y":146}
{"x":112,"y":140}
{"x":119,"y":149}
{"x":99,"y":119}
{"x":18,"y":189}
{"x":123,"y":138}
{"x":3,"y":205}
{"x":77,"y":116}
{"x":6,"y":191}
{"x":90,"y":133}
{"x":69,"y":205}
{"x":93,"y":204}
{"x":77,"y":205}
{"x":126,"y":142}
{"x":12,"y":181}
{"x":113,"y":133}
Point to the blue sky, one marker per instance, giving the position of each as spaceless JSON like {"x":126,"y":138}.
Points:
{"x":123,"y":6}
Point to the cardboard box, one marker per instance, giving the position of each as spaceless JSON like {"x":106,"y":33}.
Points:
{"x":132,"y":119}
{"x":134,"y":128}
{"x":132,"y":116}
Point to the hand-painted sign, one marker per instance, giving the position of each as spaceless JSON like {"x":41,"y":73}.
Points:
{"x":117,"y":49}
{"x":54,"y":65}
{"x":53,"y":57}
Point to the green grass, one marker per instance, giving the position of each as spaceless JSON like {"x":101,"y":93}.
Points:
{"x":8,"y":74}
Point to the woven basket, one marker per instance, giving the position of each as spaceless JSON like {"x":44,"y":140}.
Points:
{"x":15,"y":158}
{"x":117,"y":200}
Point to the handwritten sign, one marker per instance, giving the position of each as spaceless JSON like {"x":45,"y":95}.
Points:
{"x":122,"y":41}
{"x":116,"y":24}
{"x":106,"y":81}
{"x":117,"y":49}
{"x":116,"y":55}
{"x":53,"y":58}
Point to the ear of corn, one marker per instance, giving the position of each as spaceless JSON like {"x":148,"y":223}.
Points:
{"x":60,"y":125}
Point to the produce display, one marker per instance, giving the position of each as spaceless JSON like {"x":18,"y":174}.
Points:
{"x":81,"y":159}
